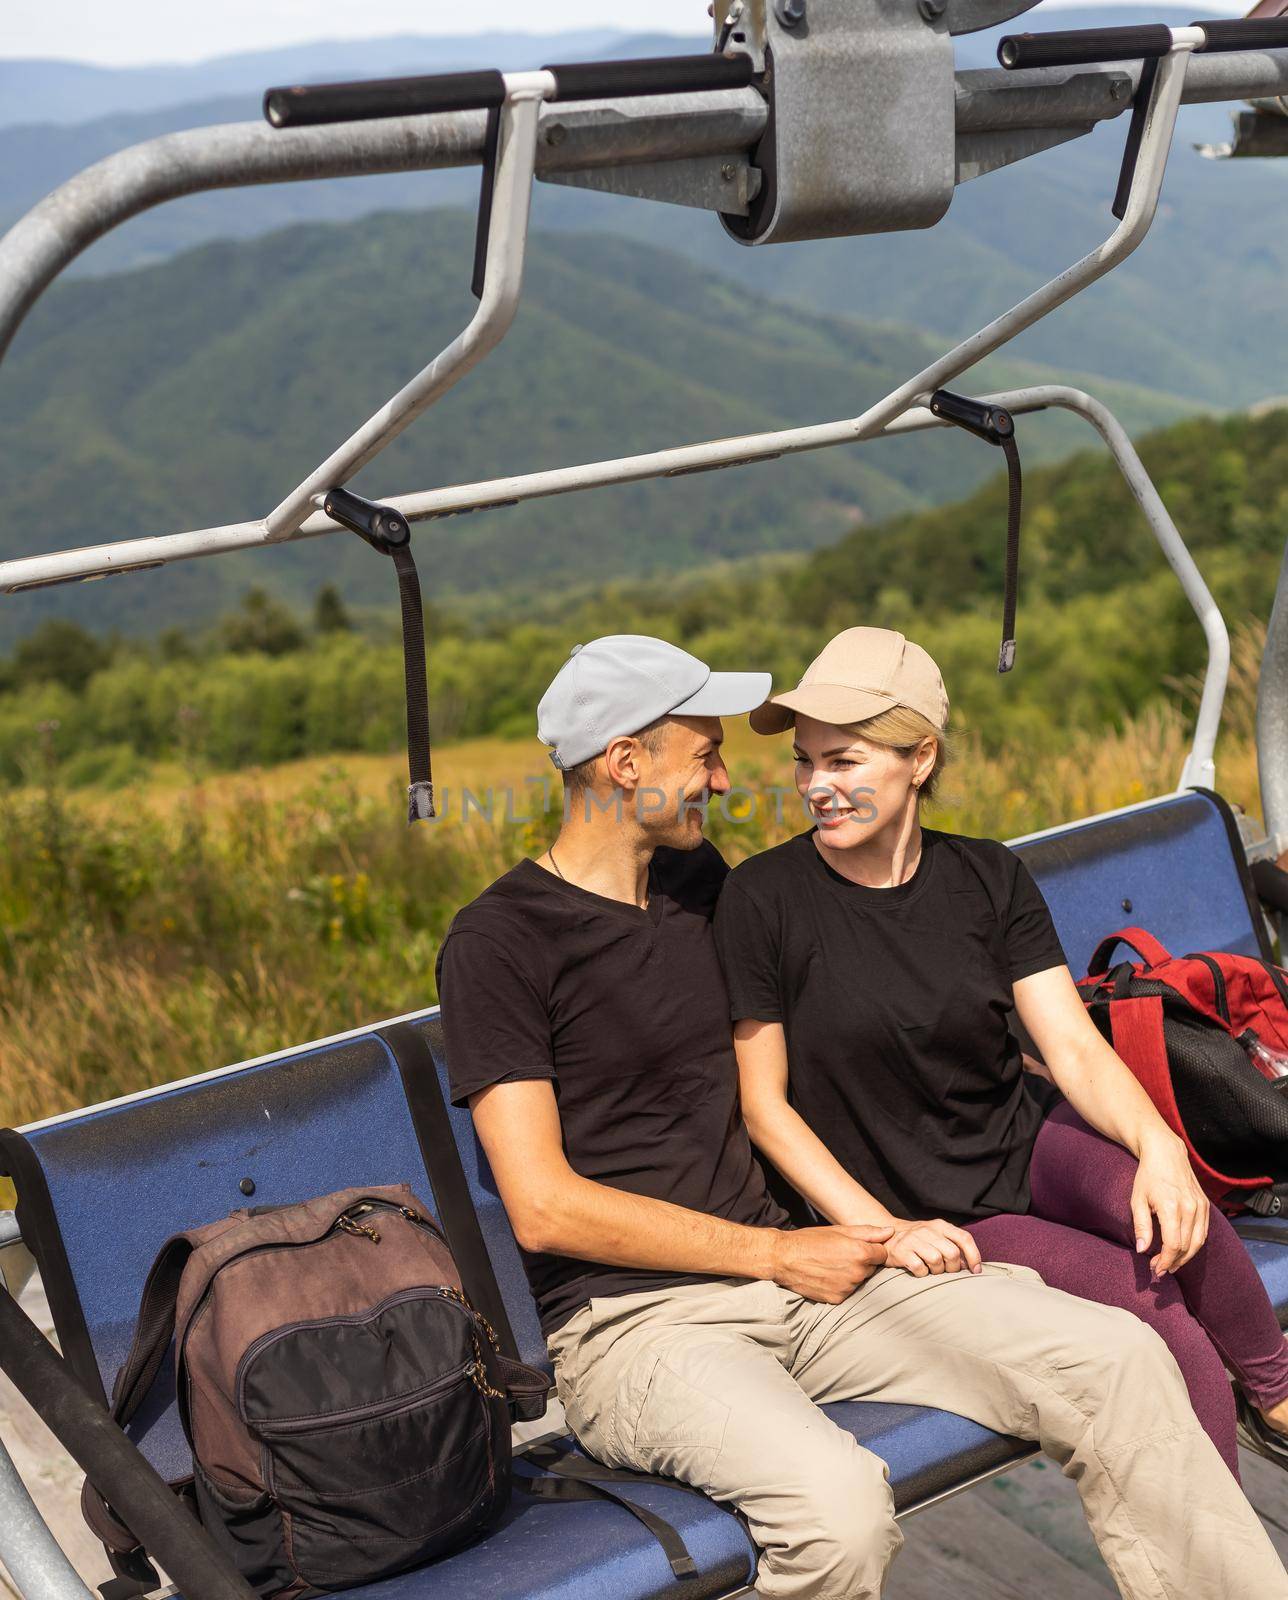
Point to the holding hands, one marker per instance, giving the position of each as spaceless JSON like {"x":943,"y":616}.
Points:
{"x":937,"y":1246}
{"x":827,"y":1264}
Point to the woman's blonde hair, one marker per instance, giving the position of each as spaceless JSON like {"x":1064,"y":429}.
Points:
{"x":902,"y":729}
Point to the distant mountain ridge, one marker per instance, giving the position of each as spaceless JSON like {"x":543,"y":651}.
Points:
{"x":1197,"y":312}
{"x":44,"y":90}
{"x":201,"y":390}
{"x":201,"y":387}
{"x":50,"y":91}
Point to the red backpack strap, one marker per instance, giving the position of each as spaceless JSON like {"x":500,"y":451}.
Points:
{"x":1144,"y":944}
{"x":1137,"y":1028}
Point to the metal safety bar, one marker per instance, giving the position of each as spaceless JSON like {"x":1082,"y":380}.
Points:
{"x":502,"y":286}
{"x":891,"y":414}
{"x":1272,"y":719}
{"x":679,"y":124}
{"x":312,"y":104}
{"x":571,"y":138}
{"x":1159,"y":121}
{"x":86,"y":1430}
{"x":29,"y":1553}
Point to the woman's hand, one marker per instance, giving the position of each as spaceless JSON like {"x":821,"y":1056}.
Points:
{"x":925,"y":1247}
{"x":1166,"y":1188}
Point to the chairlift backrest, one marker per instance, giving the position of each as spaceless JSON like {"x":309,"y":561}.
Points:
{"x":101,"y":1190}
{"x":1175,"y":866}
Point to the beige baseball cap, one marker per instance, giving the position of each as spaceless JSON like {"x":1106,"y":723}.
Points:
{"x":857,"y":675}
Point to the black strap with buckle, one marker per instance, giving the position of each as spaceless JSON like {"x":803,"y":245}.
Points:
{"x":996,"y":426}
{"x":389,"y":532}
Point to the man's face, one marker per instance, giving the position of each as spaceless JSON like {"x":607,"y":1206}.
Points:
{"x":679,"y":780}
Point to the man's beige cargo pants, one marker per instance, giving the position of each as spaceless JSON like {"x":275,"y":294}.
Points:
{"x":719,"y":1384}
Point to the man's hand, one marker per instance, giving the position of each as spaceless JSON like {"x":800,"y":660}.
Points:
{"x":1166,"y":1188}
{"x":925,"y":1247}
{"x":830,"y":1263}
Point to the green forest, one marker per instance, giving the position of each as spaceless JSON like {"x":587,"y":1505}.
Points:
{"x":149,"y":930}
{"x":1103,"y":630}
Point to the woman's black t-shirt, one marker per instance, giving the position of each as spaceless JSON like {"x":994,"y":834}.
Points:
{"x":895,"y":1004}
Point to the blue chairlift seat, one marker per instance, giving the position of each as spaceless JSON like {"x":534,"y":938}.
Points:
{"x":101,"y":1189}
{"x":1174,"y":866}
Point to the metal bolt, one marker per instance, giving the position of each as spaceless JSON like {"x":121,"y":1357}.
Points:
{"x":556,"y":133}
{"x":790,"y":13}
{"x":1126,"y":905}
{"x":247,"y":1186}
{"x":728,"y":171}
{"x":1117,"y":88}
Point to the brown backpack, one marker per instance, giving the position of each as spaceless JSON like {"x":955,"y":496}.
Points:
{"x":347,"y":1408}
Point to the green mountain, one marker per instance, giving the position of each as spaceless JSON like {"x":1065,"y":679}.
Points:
{"x":201,"y":390}
{"x":1103,"y":628}
{"x":1195,"y":313}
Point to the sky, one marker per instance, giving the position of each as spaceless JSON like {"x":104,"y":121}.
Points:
{"x":137,"y":32}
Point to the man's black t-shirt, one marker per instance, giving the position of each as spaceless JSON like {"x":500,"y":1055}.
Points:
{"x":625,"y":1010}
{"x":894,"y":1003}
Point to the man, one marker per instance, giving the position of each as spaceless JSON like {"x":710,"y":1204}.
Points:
{"x":693,"y":1331}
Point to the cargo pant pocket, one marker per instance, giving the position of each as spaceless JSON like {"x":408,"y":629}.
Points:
{"x":664,"y":1423}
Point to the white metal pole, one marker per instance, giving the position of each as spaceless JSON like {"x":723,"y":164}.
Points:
{"x":503,"y":284}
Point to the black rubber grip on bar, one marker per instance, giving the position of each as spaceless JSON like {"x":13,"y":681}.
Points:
{"x":1254,"y":33}
{"x":620,"y":80}
{"x":1083,"y":46}
{"x":311,"y":104}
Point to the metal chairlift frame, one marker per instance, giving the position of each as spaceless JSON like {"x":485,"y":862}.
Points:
{"x":662,"y":145}
{"x":1000,"y":117}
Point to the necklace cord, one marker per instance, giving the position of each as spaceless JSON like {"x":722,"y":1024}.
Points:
{"x":550,"y":851}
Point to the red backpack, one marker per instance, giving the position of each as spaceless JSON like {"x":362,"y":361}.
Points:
{"x":1200,"y":1033}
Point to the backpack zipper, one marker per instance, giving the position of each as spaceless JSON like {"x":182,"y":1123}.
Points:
{"x":369,"y":1413}
{"x":353,"y":1319}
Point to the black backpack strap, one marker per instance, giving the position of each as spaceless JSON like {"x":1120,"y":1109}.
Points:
{"x":527,"y":1388}
{"x":573,"y":1477}
{"x":442,"y":1160}
{"x":154,"y":1329}
{"x":673,"y":1546}
{"x":152,"y":1335}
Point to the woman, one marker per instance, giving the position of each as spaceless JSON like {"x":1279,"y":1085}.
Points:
{"x":871,"y":965}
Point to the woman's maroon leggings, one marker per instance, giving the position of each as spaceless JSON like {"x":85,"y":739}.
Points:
{"x":1212,"y":1314}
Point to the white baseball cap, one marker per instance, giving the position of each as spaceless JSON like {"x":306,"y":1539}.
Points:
{"x":620,"y":683}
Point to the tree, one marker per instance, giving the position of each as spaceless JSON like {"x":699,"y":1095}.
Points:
{"x":330,"y":614}
{"x":263,"y":624}
{"x":176,"y":644}
{"x":60,"y":652}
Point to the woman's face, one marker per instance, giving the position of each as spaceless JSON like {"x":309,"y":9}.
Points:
{"x":851,"y":786}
